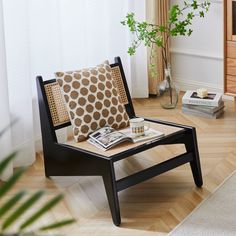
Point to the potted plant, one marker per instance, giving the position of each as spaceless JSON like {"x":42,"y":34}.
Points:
{"x":179,"y":23}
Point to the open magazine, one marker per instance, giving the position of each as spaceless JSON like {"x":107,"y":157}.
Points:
{"x":107,"y":137}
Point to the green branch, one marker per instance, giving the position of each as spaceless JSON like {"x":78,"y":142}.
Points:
{"x":178,"y":24}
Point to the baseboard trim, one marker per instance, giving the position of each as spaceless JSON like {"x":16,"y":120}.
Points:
{"x":184,"y":85}
{"x":193,"y":85}
{"x":196,"y":53}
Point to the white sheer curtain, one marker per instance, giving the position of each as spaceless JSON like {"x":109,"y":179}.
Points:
{"x":15,"y":91}
{"x":43,"y":36}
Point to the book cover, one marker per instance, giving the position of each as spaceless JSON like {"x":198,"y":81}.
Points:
{"x":206,"y":109}
{"x":212,"y":100}
{"x":203,"y":114}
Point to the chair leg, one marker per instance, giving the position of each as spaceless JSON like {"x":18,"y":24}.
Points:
{"x":48,"y":165}
{"x":112,"y":196}
{"x":192,"y":146}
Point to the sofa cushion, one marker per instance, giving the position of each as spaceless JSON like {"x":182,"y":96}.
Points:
{"x":92,"y":100}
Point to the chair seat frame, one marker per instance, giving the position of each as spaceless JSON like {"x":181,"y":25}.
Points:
{"x":64,"y":160}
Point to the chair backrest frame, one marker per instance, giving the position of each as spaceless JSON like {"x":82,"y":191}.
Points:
{"x":48,"y":128}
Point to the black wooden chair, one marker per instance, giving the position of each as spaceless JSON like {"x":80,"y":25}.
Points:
{"x":80,"y":159}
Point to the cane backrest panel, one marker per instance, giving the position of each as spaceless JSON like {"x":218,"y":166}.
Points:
{"x":116,"y":74}
{"x":56,"y":104}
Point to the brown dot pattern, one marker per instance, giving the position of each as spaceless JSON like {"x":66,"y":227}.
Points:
{"x":92,"y":100}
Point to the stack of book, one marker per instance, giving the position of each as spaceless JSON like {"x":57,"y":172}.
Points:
{"x":211,"y":106}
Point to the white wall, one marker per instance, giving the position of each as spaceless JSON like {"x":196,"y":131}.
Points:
{"x":197,"y":61}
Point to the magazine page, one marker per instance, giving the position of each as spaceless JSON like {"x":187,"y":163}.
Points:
{"x":93,"y":142}
{"x":101,"y":132}
{"x":107,"y":137}
{"x":149,"y":134}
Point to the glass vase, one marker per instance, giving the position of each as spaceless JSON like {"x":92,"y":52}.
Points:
{"x":167,"y":91}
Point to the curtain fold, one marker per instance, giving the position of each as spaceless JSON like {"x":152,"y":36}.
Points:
{"x":15,"y":97}
{"x":40,"y":37}
{"x":157,"y":13}
{"x":5,"y":140}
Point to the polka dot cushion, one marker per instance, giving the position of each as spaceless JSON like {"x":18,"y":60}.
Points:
{"x":92,"y":100}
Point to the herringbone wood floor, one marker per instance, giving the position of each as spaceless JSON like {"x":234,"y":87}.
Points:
{"x":156,"y":206}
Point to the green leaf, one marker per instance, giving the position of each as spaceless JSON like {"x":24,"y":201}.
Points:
{"x":6,"y":161}
{"x":162,"y":28}
{"x":57,"y":224}
{"x":131,"y":51}
{"x":159,"y":42}
{"x":201,"y":13}
{"x":190,"y":15}
{"x":7,"y":127}
{"x":123,"y":22}
{"x":22,"y":209}
{"x":194,"y":5}
{"x":42,"y":211}
{"x":190,"y":32}
{"x":7,"y":185}
{"x":11,"y":202}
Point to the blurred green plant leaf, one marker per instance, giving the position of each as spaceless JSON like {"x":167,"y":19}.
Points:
{"x":42,"y":211}
{"x":9,"y":204}
{"x":57,"y":224}
{"x":11,"y":181}
{"x":6,"y":161}
{"x":22,"y":209}
{"x":3,"y":131}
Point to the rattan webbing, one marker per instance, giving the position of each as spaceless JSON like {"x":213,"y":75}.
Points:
{"x":56,"y":103}
{"x":119,"y":84}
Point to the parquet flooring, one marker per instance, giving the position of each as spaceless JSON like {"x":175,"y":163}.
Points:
{"x":153,"y":207}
